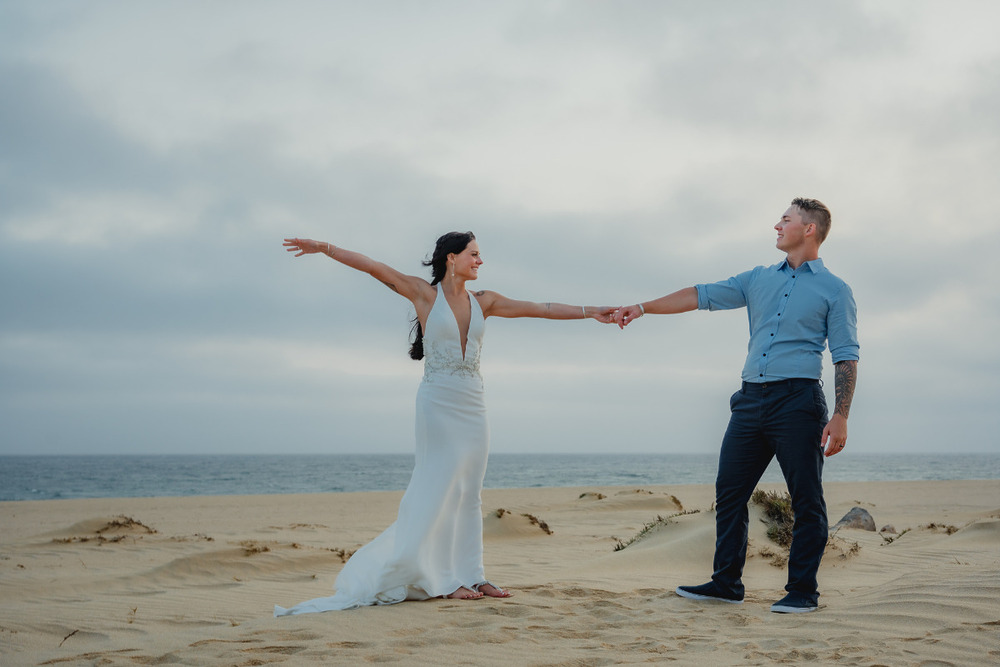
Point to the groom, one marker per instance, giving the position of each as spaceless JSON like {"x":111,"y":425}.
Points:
{"x":795,"y":308}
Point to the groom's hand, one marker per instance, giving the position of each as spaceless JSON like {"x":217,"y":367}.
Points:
{"x":625,"y":315}
{"x":834,"y":437}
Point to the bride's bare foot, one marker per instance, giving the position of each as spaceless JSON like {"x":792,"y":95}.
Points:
{"x":463,"y":593}
{"x":489,"y":590}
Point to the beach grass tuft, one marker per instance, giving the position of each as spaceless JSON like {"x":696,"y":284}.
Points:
{"x":649,"y":528}
{"x":780,"y":518}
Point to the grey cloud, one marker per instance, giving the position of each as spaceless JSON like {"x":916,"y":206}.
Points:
{"x":195,"y":334}
{"x":54,"y":142}
{"x":765,"y":66}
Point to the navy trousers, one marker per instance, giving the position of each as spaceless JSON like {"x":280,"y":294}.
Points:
{"x":778,"y":419}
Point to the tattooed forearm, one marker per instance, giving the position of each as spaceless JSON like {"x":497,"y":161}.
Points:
{"x":845,"y":377}
{"x":548,"y":306}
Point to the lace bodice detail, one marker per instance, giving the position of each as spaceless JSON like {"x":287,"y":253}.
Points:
{"x":438,"y":359}
{"x":442,"y":341}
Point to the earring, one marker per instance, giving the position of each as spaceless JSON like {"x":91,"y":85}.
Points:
{"x":452,"y":270}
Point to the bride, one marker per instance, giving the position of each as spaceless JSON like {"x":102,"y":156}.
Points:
{"x":435,"y":546}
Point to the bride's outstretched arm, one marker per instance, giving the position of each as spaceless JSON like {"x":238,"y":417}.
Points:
{"x":412,"y":287}
{"x":498,"y":305}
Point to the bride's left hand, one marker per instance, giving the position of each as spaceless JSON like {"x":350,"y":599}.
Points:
{"x":304,"y":246}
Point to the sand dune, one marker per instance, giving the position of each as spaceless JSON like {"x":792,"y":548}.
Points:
{"x":193,"y":580}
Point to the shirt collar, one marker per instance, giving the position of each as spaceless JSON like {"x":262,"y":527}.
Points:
{"x":815,"y":265}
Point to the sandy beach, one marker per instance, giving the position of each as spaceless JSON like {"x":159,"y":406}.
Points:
{"x":193,"y":581}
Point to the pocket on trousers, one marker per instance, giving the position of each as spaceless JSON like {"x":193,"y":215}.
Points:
{"x":819,"y":404}
{"x":732,"y":400}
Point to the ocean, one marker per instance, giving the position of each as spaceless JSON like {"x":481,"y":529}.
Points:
{"x":54,"y":477}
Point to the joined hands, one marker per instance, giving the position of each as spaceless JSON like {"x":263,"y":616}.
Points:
{"x":605,"y":315}
{"x":621,"y":315}
{"x":625,"y":315}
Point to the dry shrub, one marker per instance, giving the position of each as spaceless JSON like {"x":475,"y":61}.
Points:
{"x":780,"y":518}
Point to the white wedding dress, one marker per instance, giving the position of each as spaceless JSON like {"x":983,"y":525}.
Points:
{"x":436,"y":544}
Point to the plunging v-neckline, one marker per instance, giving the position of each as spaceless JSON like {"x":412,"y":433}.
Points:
{"x":462,"y":344}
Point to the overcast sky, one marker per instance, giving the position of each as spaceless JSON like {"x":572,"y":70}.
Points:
{"x":153,"y":155}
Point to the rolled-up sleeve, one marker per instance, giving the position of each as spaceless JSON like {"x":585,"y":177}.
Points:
{"x":842,"y":327}
{"x":724,"y":295}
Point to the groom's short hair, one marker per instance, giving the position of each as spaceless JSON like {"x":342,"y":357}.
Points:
{"x":816,"y":212}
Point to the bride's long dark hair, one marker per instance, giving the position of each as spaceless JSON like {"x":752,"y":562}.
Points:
{"x":452,"y":242}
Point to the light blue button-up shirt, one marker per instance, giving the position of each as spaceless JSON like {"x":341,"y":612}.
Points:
{"x":793,"y":314}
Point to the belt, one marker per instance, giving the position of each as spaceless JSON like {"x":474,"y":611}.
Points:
{"x":790,"y":382}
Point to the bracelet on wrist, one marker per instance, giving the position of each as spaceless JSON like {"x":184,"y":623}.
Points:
{"x":641,"y":309}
